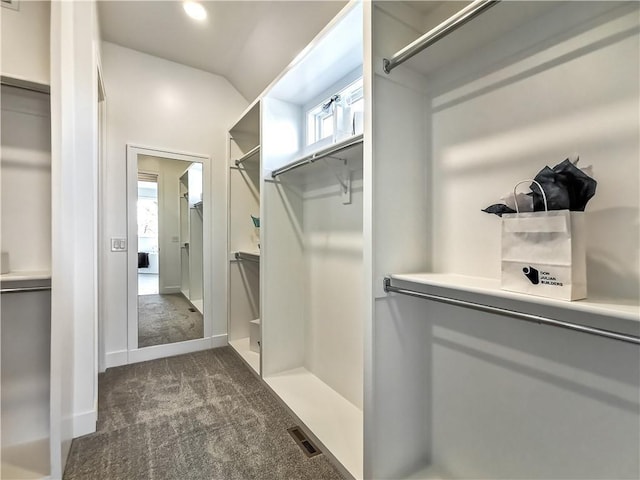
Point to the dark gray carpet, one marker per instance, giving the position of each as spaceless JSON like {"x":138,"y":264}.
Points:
{"x":166,"y":319}
{"x":198,"y":416}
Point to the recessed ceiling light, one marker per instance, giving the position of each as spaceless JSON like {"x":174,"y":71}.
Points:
{"x":195,"y":10}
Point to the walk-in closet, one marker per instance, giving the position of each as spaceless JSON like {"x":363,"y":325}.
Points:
{"x":487,"y":97}
{"x":25,"y":280}
{"x":244,"y":330}
{"x":313,"y":274}
{"x":191,"y":235}
{"x":383,"y":325}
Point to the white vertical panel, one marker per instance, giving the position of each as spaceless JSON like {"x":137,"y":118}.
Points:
{"x":62,"y":234}
{"x":283,"y":284}
{"x":397,"y":442}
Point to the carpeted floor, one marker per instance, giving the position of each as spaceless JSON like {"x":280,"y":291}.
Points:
{"x":166,"y":319}
{"x":198,"y":416}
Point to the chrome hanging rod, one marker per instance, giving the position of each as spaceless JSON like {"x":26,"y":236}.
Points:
{"x":338,"y":147}
{"x":439,"y":32}
{"x":527,"y":317}
{"x":247,"y":155}
{"x":247,"y":257}
{"x":24,"y":289}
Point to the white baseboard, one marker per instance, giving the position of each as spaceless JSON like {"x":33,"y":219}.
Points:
{"x":220,"y":341}
{"x":122,"y":357}
{"x":84,"y":423}
{"x":170,"y":289}
{"x":115,"y":359}
{"x":178,"y":348}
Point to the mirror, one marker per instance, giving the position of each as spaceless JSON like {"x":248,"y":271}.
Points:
{"x":169,"y":218}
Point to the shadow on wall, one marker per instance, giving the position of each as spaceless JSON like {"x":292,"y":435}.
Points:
{"x":614,"y":272}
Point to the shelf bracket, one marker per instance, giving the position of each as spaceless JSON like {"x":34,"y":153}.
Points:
{"x":345,"y":186}
{"x":343,"y":177}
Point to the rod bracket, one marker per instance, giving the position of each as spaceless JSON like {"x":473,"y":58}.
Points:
{"x":385,"y":66}
{"x":386,"y":284}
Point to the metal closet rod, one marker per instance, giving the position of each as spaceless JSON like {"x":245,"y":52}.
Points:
{"x":24,"y":289}
{"x":527,"y":317}
{"x":246,"y":258}
{"x":318,"y":155}
{"x":434,"y":35}
{"x":247,"y":155}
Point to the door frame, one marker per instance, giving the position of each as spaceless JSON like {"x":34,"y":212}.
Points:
{"x":135,"y":354}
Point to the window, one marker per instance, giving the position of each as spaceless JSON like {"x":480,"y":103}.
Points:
{"x":338,"y":116}
{"x":147,"y":209}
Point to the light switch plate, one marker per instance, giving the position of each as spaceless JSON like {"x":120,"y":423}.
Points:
{"x":118,"y":244}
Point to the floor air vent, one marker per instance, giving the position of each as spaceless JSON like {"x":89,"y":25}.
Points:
{"x":309,"y":449}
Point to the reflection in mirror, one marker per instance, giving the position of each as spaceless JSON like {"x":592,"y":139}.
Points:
{"x":170,"y":263}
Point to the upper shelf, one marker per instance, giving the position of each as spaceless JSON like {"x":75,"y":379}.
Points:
{"x":348,"y":150}
{"x":535,"y":24}
{"x":486,"y":288}
{"x":247,"y":256}
{"x":245,"y":133}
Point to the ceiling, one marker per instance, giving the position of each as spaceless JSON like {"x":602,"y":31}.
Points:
{"x":247,"y":42}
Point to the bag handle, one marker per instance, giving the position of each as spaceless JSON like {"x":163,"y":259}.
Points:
{"x":515,"y":198}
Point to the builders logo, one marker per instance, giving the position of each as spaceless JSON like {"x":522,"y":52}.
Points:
{"x":537,"y":277}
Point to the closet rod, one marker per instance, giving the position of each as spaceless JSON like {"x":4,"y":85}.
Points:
{"x":527,"y":317}
{"x":437,"y":33}
{"x":24,"y":289}
{"x":338,"y":147}
{"x":247,"y":155}
{"x":247,"y":257}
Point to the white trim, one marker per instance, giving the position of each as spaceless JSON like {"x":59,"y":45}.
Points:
{"x":149,"y":353}
{"x":115,"y":359}
{"x":178,"y":348}
{"x":84,"y":423}
{"x":170,"y":289}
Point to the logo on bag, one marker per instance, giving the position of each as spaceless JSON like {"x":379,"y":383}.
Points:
{"x":532,"y":274}
{"x":544,"y":278}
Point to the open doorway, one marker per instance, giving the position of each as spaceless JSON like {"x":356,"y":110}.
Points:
{"x":168,"y":266}
{"x":148,"y":244}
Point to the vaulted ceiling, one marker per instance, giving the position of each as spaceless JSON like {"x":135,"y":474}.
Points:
{"x":247,"y":42}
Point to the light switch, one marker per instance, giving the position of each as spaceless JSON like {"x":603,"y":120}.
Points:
{"x":118,"y":244}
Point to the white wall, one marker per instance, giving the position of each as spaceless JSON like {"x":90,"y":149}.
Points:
{"x":25,"y":41}
{"x":169,"y":172}
{"x":25,"y":233}
{"x":161,"y":104}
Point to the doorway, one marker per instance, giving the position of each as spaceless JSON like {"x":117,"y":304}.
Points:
{"x":167,"y":207}
{"x":148,"y":246}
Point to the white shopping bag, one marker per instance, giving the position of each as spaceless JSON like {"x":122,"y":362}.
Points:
{"x":544,"y":253}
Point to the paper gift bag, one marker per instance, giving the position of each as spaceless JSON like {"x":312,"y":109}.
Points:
{"x":544,"y":253}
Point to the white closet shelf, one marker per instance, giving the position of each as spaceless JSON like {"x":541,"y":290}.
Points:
{"x":488,"y":292}
{"x":241,"y":255}
{"x":324,"y":167}
{"x":251,"y":358}
{"x":24,"y":276}
{"x":333,"y":420}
